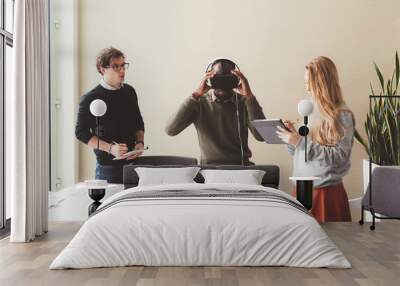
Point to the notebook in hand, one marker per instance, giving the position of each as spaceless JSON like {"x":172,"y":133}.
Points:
{"x":130,"y":153}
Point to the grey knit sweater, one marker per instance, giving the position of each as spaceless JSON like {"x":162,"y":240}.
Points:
{"x":330,"y":163}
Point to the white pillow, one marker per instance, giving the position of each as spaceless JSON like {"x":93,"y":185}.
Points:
{"x":162,"y":176}
{"x":248,"y":177}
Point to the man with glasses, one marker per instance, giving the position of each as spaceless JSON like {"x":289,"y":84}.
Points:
{"x":121,"y":128}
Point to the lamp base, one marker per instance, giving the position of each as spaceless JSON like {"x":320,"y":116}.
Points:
{"x":304,"y":192}
{"x":96,"y":195}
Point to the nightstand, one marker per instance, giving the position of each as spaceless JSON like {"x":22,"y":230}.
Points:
{"x":96,"y":193}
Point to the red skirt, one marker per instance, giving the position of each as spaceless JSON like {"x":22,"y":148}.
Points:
{"x":330,"y":204}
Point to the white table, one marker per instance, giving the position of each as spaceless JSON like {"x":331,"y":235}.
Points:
{"x":96,"y":193}
{"x":71,"y":204}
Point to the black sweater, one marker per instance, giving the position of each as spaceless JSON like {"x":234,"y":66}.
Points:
{"x":119,"y":123}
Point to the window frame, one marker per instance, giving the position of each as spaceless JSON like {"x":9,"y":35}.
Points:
{"x":6,"y":39}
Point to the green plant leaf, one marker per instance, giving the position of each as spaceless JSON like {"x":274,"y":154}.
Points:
{"x":372,"y":89}
{"x":389,"y":88}
{"x":397,"y":69}
{"x":378,"y":72}
{"x":391,"y":84}
{"x":360,"y":140}
{"x":382,"y":123}
{"x":388,"y":129}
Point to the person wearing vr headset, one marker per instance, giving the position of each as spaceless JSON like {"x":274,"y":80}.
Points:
{"x":221,"y":109}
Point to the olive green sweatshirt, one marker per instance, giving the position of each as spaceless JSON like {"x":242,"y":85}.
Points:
{"x":217,"y":126}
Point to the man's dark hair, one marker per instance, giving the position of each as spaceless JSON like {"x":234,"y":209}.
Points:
{"x":106,"y":55}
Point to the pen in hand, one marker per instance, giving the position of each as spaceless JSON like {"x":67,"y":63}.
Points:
{"x":121,"y":150}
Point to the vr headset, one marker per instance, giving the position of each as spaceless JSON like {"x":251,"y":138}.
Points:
{"x":224,"y":79}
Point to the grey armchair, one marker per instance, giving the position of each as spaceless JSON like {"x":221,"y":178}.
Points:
{"x":385,"y":195}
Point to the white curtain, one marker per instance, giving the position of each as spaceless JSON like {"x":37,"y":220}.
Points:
{"x":28,"y":120}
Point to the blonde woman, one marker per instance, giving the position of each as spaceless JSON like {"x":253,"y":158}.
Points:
{"x":331,"y":142}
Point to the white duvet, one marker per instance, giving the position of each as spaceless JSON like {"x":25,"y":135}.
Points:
{"x":200,"y":231}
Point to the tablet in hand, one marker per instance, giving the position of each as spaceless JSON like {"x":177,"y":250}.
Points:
{"x":267,"y":129}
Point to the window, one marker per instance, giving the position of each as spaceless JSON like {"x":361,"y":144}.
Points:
{"x":6,"y":45}
{"x":9,"y":15}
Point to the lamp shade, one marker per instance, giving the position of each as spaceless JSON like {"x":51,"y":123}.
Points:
{"x":305,"y":107}
{"x":98,"y":107}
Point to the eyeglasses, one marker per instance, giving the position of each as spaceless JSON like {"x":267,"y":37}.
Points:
{"x":118,"y":68}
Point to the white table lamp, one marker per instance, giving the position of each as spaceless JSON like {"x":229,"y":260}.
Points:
{"x":305,"y":108}
{"x":98,"y":108}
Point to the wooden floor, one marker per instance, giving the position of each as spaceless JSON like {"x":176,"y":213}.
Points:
{"x":375,"y":257}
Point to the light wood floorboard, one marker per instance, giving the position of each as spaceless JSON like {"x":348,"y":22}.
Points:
{"x":374,"y":255}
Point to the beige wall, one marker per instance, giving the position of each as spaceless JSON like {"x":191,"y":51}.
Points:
{"x":168,"y":44}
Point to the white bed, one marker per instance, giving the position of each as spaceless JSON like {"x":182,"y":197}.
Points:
{"x":203,"y":231}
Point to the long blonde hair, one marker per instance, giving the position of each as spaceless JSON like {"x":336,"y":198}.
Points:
{"x":323,"y":81}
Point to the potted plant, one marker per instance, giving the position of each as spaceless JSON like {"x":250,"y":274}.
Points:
{"x":382,"y":124}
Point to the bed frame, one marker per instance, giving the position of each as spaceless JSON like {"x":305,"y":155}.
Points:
{"x":131,"y":179}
